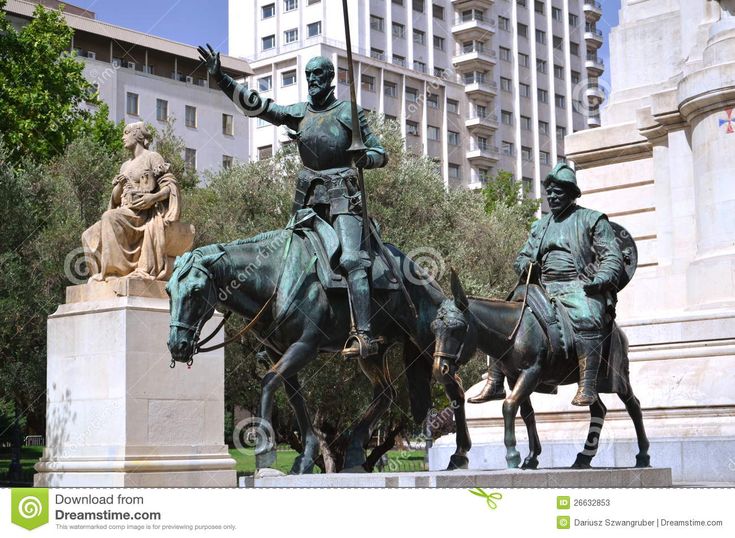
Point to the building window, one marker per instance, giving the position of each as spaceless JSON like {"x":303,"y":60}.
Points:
{"x":560,"y":101}
{"x":310,"y":2}
{"x":268,"y":11}
{"x":559,"y":71}
{"x":290,"y":5}
{"x":439,"y":72}
{"x":482,"y":143}
{"x":541,"y":37}
{"x":412,"y":95}
{"x":543,"y":127}
{"x":561,"y":132}
{"x":412,"y":128}
{"x":432,"y":132}
{"x":161,"y":109}
{"x":389,"y":88}
{"x":291,"y":36}
{"x":527,"y":184}
{"x":418,"y":5}
{"x":506,"y":84}
{"x":525,"y":123}
{"x":521,"y":2}
{"x":453,"y":106}
{"x":541,"y":66}
{"x":573,"y":20}
{"x":453,"y":138}
{"x":265,"y":152}
{"x":226,"y":161}
{"x":269,"y":42}
{"x":557,"y":14}
{"x":377,"y":23}
{"x":507,"y":148}
{"x":288,"y":78}
{"x":523,"y":59}
{"x":480,"y":111}
{"x":131,"y":106}
{"x":438,"y":12}
{"x":526,"y":153}
{"x":265,"y":84}
{"x":377,"y":53}
{"x":190,"y":116}
{"x":228,"y":127}
{"x":419,"y":66}
{"x":398,"y":2}
{"x":399,"y":30}
{"x":574,"y":48}
{"x":544,"y":157}
{"x":543,"y":96}
{"x":368,"y":83}
{"x":558,"y":42}
{"x":539,"y":7}
{"x":419,"y":37}
{"x":504,"y":54}
{"x":343,"y":76}
{"x":575,"y":77}
{"x":504,"y":23}
{"x":432,"y":100}
{"x":314,"y":29}
{"x":190,"y":158}
{"x":524,"y":90}
{"x":399,"y":60}
{"x":522,"y":29}
{"x":506,"y":117}
{"x":453,"y":171}
{"x":438,"y":43}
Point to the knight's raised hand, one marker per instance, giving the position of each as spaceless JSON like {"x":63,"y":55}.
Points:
{"x":211,"y":58}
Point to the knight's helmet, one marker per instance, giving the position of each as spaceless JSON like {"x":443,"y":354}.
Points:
{"x":563,"y":174}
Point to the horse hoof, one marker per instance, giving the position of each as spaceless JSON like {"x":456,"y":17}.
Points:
{"x":458,"y":462}
{"x":354,"y":458}
{"x":582,"y":462}
{"x":265,"y":459}
{"x":642,"y":460}
{"x":513,"y":459}
{"x":356,"y":469}
{"x":302,"y":466}
{"x":530,"y":463}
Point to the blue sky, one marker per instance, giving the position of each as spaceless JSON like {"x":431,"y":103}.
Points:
{"x":196,"y":22}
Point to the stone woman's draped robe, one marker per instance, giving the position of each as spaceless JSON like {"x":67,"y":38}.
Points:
{"x":131,"y":243}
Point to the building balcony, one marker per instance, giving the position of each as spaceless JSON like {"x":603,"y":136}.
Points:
{"x":480,"y":88}
{"x":593,"y":120}
{"x":594,"y":64}
{"x":593,"y":37}
{"x":594,"y":94}
{"x":474,"y":59}
{"x":473,"y":28}
{"x":461,"y":5}
{"x":488,"y":122}
{"x":479,"y":155}
{"x":592,"y":10}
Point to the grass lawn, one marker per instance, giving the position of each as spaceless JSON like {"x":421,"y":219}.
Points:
{"x":29,"y":455}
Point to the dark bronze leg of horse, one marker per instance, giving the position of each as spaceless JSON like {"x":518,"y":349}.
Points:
{"x":304,"y":462}
{"x":455,"y":393}
{"x":597,"y":420}
{"x":633,"y":406}
{"x":522,"y":390}
{"x":298,"y":355}
{"x":383,"y":395}
{"x":534,"y":443}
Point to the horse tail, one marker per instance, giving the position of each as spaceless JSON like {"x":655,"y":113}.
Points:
{"x":418,"y":375}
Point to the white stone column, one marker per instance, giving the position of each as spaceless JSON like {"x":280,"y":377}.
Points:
{"x":116,"y":414}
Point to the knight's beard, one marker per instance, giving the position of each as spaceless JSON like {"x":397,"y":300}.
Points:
{"x":320,"y":97}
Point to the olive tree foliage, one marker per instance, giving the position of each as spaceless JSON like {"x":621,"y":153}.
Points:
{"x":441,"y":229}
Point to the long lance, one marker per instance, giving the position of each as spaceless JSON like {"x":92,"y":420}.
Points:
{"x":359,"y":146}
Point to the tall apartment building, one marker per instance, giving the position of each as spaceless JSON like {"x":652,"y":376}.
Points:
{"x":478,"y":85}
{"x":142,"y":77}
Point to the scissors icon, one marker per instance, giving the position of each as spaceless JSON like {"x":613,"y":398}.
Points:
{"x":490,"y":498}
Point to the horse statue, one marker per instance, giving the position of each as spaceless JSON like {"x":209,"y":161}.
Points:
{"x":273,"y":280}
{"x":463,"y":325}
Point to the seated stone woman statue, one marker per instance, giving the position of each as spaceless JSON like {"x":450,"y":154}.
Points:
{"x":130,"y":238}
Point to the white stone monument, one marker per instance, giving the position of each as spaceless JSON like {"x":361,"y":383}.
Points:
{"x":117,"y":415}
{"x":663,"y":166}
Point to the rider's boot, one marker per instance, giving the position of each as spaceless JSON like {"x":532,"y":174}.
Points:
{"x":360,"y":343}
{"x":493,"y":389}
{"x":590,"y":356}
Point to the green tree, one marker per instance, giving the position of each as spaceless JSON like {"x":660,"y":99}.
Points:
{"x":43,"y":92}
{"x":171,"y":147}
{"x":503,"y":191}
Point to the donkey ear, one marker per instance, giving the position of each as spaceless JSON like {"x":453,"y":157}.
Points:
{"x":460,"y":298}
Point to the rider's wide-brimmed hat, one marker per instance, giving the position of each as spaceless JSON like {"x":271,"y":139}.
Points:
{"x":564,"y":175}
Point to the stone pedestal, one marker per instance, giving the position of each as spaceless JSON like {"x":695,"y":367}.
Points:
{"x":117,"y":414}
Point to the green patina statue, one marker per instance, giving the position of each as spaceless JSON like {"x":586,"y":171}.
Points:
{"x":322,"y":129}
{"x":580,"y":264}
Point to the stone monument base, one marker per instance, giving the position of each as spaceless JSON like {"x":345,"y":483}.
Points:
{"x":117,"y":415}
{"x":510,"y":478}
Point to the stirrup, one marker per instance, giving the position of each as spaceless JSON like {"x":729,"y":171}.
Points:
{"x":585,"y":397}
{"x":361,"y":345}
